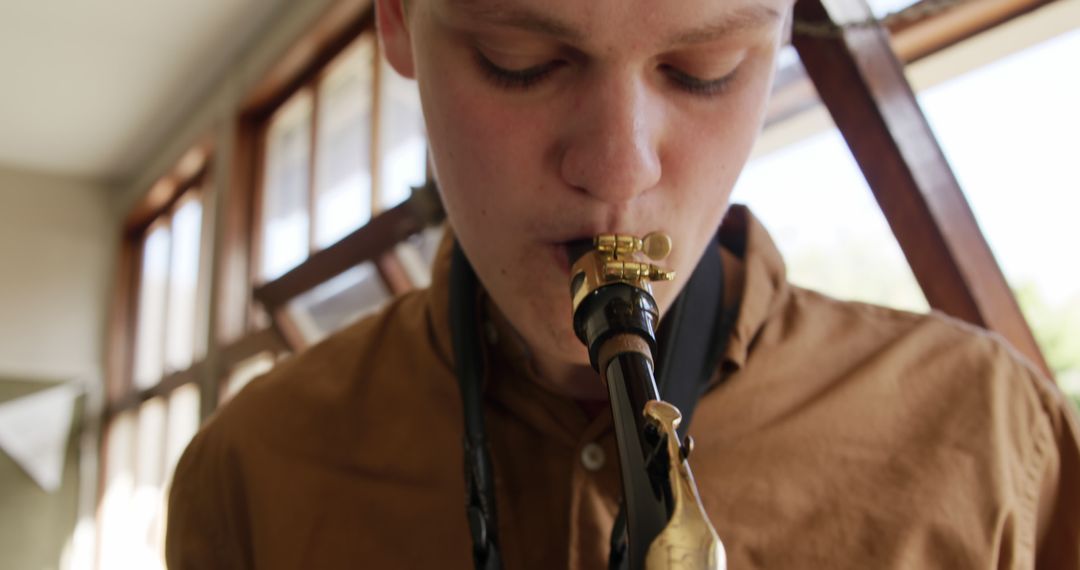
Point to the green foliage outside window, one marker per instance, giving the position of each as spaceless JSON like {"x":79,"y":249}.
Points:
{"x":1057,"y":328}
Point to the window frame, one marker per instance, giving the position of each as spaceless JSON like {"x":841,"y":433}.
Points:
{"x":304,"y":69}
{"x":188,"y":180}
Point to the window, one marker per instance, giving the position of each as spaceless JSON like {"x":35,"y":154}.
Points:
{"x":321,"y":148}
{"x":1002,"y":108}
{"x":1021,"y":176}
{"x":338,"y":140}
{"x":168,"y":288}
{"x":154,"y":402}
{"x":343,"y":146}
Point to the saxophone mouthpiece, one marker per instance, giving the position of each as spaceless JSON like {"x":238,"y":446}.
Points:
{"x":577,"y":248}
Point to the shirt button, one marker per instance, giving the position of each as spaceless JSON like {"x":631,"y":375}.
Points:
{"x":592,"y":457}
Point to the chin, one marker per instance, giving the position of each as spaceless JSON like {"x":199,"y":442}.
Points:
{"x":554,"y":339}
{"x":574,"y":351}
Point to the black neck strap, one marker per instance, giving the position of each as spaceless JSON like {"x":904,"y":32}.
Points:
{"x":469,"y":364}
{"x":691,"y":338}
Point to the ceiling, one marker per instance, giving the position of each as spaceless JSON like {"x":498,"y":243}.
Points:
{"x":88,"y":88}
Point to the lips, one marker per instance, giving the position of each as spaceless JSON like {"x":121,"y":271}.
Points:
{"x":577,"y":248}
{"x":567,"y":252}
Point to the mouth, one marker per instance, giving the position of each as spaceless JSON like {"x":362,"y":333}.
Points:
{"x":577,"y":248}
{"x":566,"y":253}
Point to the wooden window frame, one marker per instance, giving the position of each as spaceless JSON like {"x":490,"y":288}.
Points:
{"x":188,"y":176}
{"x":260,"y":303}
{"x":264,"y":103}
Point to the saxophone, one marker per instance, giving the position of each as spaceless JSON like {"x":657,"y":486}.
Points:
{"x":615,"y":316}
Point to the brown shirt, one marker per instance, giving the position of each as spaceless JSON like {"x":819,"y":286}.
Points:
{"x":843,"y":436}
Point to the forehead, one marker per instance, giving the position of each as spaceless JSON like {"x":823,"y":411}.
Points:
{"x":616,"y":22}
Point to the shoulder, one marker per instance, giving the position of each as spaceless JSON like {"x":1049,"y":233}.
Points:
{"x":314,"y":416}
{"x":324,"y":391}
{"x":963,"y":385}
{"x":930,"y":342}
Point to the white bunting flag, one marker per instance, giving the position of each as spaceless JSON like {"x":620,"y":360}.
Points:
{"x":34,"y":432}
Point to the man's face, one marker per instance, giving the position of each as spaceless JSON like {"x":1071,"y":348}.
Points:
{"x":555,"y":120}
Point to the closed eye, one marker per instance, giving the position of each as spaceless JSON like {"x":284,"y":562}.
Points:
{"x":521,"y":79}
{"x":696,"y":85}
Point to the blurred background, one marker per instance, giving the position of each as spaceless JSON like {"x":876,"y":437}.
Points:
{"x":192,"y":191}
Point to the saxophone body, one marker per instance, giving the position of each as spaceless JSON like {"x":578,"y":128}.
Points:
{"x":615,"y":316}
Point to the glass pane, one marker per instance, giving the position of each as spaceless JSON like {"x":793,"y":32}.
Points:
{"x":815,"y":202}
{"x":285,"y":191}
{"x":149,"y":456}
{"x":147,"y":500}
{"x":338,"y":302}
{"x":402,"y":138}
{"x":183,"y":285}
{"x":183,"y":422}
{"x":153,"y":291}
{"x":115,"y":509}
{"x":343,"y":162}
{"x":1011,"y":131}
{"x":885,"y":8}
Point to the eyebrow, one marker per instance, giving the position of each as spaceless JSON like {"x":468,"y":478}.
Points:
{"x":524,"y":18}
{"x":520,"y":17}
{"x":747,"y":17}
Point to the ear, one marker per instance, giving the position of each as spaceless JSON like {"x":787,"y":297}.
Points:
{"x":393,"y":27}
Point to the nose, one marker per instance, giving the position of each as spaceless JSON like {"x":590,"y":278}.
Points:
{"x":611,"y":146}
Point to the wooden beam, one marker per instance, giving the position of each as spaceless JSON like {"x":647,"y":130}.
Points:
{"x":916,"y":39}
{"x":393,"y":273}
{"x":121,"y":322}
{"x":238,"y":245}
{"x":912,"y":40}
{"x":862,"y":83}
{"x":262,"y":340}
{"x":367,"y":243}
{"x":133,"y":399}
{"x":284,"y":325}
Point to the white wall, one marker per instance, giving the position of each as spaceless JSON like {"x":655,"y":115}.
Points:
{"x":57,"y":243}
{"x":215,"y":112}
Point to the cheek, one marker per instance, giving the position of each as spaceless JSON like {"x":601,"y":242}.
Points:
{"x":468,"y":122}
{"x":481,"y":153}
{"x":704,"y":161}
{"x":717,"y":142}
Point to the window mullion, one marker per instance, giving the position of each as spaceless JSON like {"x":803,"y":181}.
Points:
{"x":313,"y":166}
{"x":166,"y":314}
{"x":374,"y":150}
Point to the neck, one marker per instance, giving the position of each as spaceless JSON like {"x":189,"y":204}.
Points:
{"x":570,"y":380}
{"x":551,"y":370}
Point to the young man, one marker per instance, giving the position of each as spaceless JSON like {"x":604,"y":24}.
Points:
{"x":832,"y":435}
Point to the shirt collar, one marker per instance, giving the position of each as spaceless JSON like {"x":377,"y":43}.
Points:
{"x":438,"y":295}
{"x":764,"y":288}
{"x":760,"y":279}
